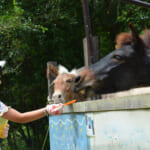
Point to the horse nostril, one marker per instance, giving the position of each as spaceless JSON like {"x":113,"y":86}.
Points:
{"x":77,"y":79}
{"x":59,"y":96}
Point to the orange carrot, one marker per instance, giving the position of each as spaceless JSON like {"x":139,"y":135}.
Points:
{"x":70,"y":102}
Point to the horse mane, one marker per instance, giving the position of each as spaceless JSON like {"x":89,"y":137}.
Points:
{"x":62,"y":70}
{"x":122,"y":39}
{"x":125,"y":38}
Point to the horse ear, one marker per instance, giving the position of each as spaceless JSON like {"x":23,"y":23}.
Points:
{"x":136,"y":40}
{"x":53,"y":69}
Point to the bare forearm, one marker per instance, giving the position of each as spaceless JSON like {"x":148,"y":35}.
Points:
{"x":26,"y":117}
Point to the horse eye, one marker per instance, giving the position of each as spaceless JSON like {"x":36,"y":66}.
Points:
{"x":118,"y":57}
{"x":69,"y":81}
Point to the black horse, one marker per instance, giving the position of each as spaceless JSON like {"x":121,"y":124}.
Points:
{"x":126,"y":67}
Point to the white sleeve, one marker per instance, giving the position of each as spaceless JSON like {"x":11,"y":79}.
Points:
{"x":3,"y":108}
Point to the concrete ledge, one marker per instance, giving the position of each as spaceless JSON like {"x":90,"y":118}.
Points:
{"x":121,"y":103}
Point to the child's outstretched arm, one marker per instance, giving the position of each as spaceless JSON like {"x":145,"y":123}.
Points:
{"x":16,"y":116}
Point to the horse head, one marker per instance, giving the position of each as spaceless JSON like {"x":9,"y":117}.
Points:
{"x":126,"y":67}
{"x":63,"y":85}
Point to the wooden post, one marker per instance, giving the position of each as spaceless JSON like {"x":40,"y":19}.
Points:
{"x":90,"y":43}
{"x":50,"y":79}
{"x":95,"y":56}
{"x":88,"y":31}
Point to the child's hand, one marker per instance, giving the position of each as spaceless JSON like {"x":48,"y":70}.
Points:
{"x":5,"y":131}
{"x":55,"y":109}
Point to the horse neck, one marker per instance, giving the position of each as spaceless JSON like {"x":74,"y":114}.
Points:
{"x":144,"y":75}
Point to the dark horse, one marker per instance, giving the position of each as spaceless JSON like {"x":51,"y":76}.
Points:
{"x":126,"y":67}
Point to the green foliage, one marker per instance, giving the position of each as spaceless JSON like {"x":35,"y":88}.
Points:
{"x":14,"y":30}
{"x":17,"y":33}
{"x":138,"y":16}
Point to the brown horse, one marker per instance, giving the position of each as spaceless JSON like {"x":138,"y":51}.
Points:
{"x":63,"y":85}
{"x":122,"y":69}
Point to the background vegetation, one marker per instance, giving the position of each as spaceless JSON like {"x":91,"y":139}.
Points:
{"x":35,"y":32}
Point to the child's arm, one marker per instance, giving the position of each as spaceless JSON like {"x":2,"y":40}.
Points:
{"x":16,"y":116}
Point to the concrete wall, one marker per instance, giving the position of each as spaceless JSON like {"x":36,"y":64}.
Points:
{"x":121,"y":130}
{"x":112,"y":124}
